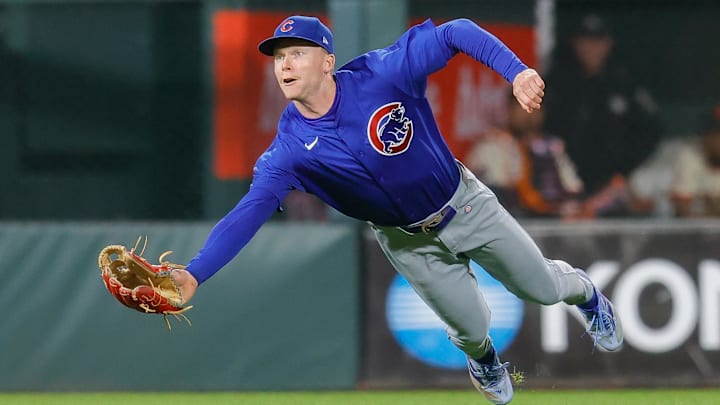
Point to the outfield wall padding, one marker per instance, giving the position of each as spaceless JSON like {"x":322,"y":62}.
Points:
{"x":282,"y":315}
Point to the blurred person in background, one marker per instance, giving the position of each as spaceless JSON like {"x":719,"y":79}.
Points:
{"x":609,"y":122}
{"x":527,"y":168}
{"x":496,"y":158}
{"x":695,"y":189}
{"x":301,"y":206}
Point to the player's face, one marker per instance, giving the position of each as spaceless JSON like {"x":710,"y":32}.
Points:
{"x":300,"y":68}
{"x":593,"y":53}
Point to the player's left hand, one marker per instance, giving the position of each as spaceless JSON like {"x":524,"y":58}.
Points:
{"x":529,"y":89}
{"x":186,"y":282}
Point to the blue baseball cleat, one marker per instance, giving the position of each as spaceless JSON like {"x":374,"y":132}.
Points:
{"x":602,"y":324}
{"x":493,"y":381}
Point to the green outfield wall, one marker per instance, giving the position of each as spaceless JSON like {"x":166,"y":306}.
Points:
{"x":315,"y":306}
{"x":282,"y":315}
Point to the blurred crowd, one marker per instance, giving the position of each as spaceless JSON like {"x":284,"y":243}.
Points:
{"x":595,"y":150}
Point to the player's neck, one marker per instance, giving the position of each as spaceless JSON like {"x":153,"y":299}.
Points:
{"x":319,"y":103}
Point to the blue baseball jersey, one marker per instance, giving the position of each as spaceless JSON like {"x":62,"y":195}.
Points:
{"x":377,"y":155}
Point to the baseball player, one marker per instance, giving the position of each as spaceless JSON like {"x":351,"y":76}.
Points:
{"x":363,"y":139}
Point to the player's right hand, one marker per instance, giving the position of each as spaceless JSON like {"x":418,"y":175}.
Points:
{"x":529,"y":89}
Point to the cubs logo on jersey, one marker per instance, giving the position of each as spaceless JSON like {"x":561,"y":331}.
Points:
{"x":389,"y":130}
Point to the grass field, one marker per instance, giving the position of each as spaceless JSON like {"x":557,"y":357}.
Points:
{"x":530,"y":397}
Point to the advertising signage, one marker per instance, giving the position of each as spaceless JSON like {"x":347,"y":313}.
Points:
{"x":663,"y":280}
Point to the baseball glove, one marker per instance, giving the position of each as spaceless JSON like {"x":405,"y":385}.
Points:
{"x":137,"y":284}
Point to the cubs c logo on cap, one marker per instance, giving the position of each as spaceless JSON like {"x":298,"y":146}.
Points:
{"x":287,"y":25}
{"x":389,"y":130}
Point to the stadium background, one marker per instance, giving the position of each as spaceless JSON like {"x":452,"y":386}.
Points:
{"x":121,"y":118}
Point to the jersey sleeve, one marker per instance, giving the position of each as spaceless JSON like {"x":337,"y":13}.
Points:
{"x":273,"y":171}
{"x":425,"y":49}
{"x":270,"y":186}
{"x":232,"y":233}
{"x":463,"y":35}
{"x":414,"y":56}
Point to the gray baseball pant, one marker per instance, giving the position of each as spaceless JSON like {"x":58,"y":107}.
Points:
{"x":437,"y":264}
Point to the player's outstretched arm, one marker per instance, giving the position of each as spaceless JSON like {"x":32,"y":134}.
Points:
{"x":529,"y":89}
{"x":186,"y":282}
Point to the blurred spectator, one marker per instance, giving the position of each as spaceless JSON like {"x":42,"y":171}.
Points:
{"x":527,"y":168}
{"x":497,"y":160}
{"x":652,"y":181}
{"x":695,"y":190}
{"x":609,"y":123}
{"x":301,"y":206}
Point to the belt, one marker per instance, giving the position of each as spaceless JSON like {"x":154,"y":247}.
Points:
{"x":433,"y":224}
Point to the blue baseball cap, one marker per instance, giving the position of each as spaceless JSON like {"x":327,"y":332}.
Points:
{"x":308,"y":28}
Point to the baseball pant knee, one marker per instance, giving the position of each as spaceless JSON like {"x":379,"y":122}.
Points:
{"x":557,"y":281}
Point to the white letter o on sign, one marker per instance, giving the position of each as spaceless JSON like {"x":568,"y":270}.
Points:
{"x":684,"y":305}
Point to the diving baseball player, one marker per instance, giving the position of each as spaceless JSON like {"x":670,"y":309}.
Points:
{"x":363,"y":139}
